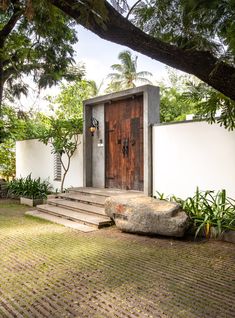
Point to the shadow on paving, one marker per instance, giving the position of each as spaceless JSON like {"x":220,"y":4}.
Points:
{"x":51,"y":271}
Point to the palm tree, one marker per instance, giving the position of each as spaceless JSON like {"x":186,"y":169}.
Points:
{"x":126,"y":75}
{"x":95,"y":88}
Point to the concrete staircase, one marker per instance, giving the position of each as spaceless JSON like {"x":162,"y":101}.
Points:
{"x":80,"y":208}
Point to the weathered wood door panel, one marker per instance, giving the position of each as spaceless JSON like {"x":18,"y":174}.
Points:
{"x":124,"y":144}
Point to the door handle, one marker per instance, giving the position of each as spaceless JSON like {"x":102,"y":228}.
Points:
{"x":125,"y":147}
{"x":123,"y":150}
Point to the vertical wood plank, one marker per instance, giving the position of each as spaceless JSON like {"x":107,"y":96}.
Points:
{"x":124,"y":121}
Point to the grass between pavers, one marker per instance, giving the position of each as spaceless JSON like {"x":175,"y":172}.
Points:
{"x":48,"y":270}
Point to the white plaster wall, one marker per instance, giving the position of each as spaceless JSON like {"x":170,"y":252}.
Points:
{"x":32,"y":156}
{"x":187,"y":155}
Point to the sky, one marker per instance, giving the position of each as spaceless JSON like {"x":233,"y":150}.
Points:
{"x":97,"y":55}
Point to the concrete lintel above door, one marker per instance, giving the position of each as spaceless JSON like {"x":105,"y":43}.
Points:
{"x":94,"y":147}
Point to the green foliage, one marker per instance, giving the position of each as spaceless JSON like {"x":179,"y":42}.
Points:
{"x":125,"y":74}
{"x":195,"y":24}
{"x":29,"y":188}
{"x":69,"y":103}
{"x":67,"y":122}
{"x":160,"y":196}
{"x":63,"y":136}
{"x":94,"y":88}
{"x":60,"y":134}
{"x":211,"y":213}
{"x":174,"y":106}
{"x":184,"y":94}
{"x":17,"y":125}
{"x":38,"y":43}
{"x":208,"y":101}
{"x":217,"y":17}
{"x":7,"y":159}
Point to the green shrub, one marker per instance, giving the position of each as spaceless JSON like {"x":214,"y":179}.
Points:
{"x":211,"y":213}
{"x":29,"y":188}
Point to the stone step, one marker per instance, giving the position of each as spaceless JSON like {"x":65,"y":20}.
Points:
{"x":81,"y":217}
{"x":104,"y":192}
{"x":90,"y":199}
{"x":62,"y":221}
{"x":77,"y":206}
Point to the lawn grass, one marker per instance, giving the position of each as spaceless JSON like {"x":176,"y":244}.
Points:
{"x":48,"y":270}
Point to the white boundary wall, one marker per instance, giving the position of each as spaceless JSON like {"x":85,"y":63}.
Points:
{"x":32,"y":156}
{"x":191,"y":154}
{"x":185,"y":155}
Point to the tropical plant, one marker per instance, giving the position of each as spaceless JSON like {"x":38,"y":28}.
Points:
{"x":29,"y":188}
{"x":125,"y":74}
{"x":63,"y":137}
{"x":211,"y":212}
{"x":95,"y":89}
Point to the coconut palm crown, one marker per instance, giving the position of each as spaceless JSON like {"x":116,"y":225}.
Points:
{"x":125,"y":74}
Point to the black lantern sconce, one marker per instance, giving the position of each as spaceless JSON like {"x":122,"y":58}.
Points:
{"x":94,"y":126}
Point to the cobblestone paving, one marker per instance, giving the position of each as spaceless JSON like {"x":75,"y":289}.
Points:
{"x":47,"y":270}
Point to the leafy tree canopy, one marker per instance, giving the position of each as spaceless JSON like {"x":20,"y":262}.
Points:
{"x":190,"y":24}
{"x":36,"y":39}
{"x":211,"y":105}
{"x":191,"y":36}
{"x":17,"y":125}
{"x":174,"y":106}
{"x":69,"y":103}
{"x":195,"y":36}
{"x":185,"y":94}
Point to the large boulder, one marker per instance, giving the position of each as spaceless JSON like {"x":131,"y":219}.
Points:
{"x":142,"y":214}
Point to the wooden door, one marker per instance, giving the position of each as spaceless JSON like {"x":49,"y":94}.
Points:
{"x":124,"y":144}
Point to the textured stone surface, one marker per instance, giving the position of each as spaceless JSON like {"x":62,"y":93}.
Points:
{"x":143,"y":214}
{"x":50,"y":271}
{"x":30,"y":202}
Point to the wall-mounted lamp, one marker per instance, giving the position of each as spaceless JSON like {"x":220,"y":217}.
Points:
{"x":94,"y":126}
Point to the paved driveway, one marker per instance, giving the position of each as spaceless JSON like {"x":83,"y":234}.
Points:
{"x":47,"y":270}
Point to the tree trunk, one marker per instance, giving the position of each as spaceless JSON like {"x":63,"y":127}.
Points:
{"x":4,"y":33}
{"x":118,"y":29}
{"x":66,"y":169}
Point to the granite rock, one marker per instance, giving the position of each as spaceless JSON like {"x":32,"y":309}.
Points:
{"x":146,"y":215}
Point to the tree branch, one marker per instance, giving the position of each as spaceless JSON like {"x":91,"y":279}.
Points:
{"x":9,"y":26}
{"x":132,"y":8}
{"x":121,"y":31}
{"x":16,"y":70}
